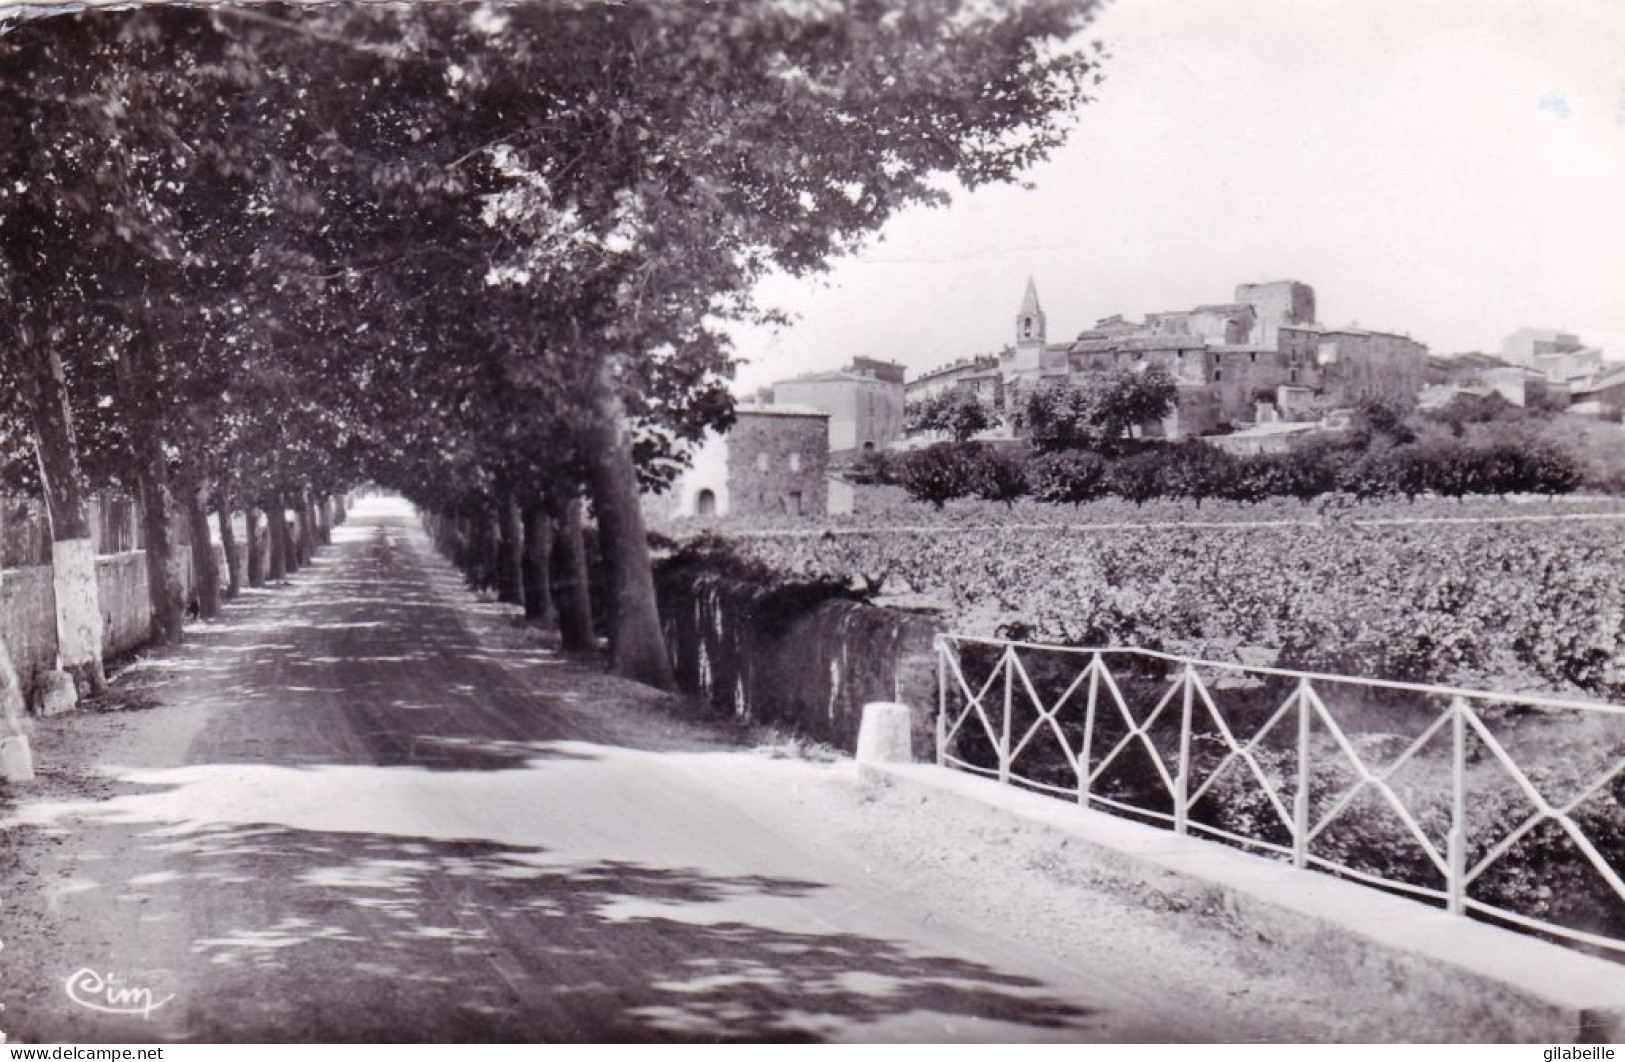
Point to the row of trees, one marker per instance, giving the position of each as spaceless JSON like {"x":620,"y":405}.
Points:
{"x":484,"y":255}
{"x":1198,"y":472}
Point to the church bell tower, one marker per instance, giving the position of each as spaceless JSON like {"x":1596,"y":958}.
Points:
{"x":1030,"y":320}
{"x":1030,"y":333}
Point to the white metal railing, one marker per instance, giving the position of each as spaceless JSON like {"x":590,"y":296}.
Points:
{"x":1007,"y":711}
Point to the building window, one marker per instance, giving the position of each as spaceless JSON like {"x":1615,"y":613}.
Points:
{"x":1293,"y":375}
{"x":761,"y":462}
{"x":795,"y":503}
{"x":795,"y":462}
{"x":1252,"y":356}
{"x":1217,"y":375}
{"x":705,"y":503}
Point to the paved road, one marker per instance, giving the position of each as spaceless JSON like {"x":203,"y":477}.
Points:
{"x":366,"y":806}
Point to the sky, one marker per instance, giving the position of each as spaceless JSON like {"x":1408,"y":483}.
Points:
{"x":1447,"y":169}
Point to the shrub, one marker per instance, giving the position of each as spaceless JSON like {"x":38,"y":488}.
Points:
{"x":1548,"y":469}
{"x":873,"y":467}
{"x":940,"y":473}
{"x":1374,"y":474}
{"x":1068,"y":477}
{"x":1198,"y":471}
{"x":1255,"y":478}
{"x":1138,"y":477}
{"x":1000,"y":475}
{"x":1314,"y":469}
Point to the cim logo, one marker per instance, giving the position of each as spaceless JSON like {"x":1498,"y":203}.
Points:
{"x":109,"y":995}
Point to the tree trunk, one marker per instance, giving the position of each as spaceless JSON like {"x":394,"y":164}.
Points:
{"x":536,"y":566}
{"x":204,"y":567}
{"x":305,"y":546}
{"x":164,"y":583}
{"x":341,"y":512}
{"x":484,"y":545}
{"x":491,"y":551}
{"x":276,"y":540}
{"x":228,"y":538}
{"x":637,"y":646}
{"x":290,"y":537}
{"x":73,"y":553}
{"x":256,"y":546}
{"x":228,"y":544}
{"x":456,"y":531}
{"x":510,"y":553}
{"x":324,"y":521}
{"x":575,"y":602}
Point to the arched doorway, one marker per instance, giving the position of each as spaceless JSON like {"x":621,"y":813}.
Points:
{"x":705,"y":503}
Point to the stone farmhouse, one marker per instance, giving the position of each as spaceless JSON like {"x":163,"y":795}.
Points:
{"x":772,"y":463}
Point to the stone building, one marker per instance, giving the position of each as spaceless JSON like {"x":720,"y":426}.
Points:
{"x":864,"y":402}
{"x":1560,"y":356}
{"x":1482,"y":375}
{"x":979,"y":375}
{"x":1349,"y":365}
{"x":773,"y":462}
{"x":1227,"y":358}
{"x":1603,"y":395}
{"x":1275,"y":305}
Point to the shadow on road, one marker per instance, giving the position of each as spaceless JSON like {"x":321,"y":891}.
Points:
{"x":397,"y":817}
{"x":340,"y":936}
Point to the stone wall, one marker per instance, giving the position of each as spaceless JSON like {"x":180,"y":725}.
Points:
{"x":28,"y":609}
{"x":776,"y":464}
{"x":121,"y":579}
{"x":782,"y":657}
{"x":28,"y":621}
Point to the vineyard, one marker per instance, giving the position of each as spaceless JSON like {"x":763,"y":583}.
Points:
{"x":1517,"y":606}
{"x":881,"y":507}
{"x":1523,"y":597}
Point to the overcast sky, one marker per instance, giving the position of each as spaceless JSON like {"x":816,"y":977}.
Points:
{"x":1450,"y":169}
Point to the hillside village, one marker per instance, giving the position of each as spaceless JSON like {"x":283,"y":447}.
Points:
{"x":1253,"y":376}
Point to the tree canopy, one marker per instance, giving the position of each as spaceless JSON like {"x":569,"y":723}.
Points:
{"x":1097,"y":413}
{"x":483,"y":253}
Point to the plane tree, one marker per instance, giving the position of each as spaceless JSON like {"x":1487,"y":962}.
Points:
{"x":679,"y":152}
{"x":493,"y":242}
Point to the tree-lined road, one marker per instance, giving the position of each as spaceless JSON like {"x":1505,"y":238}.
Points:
{"x":367,"y":806}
